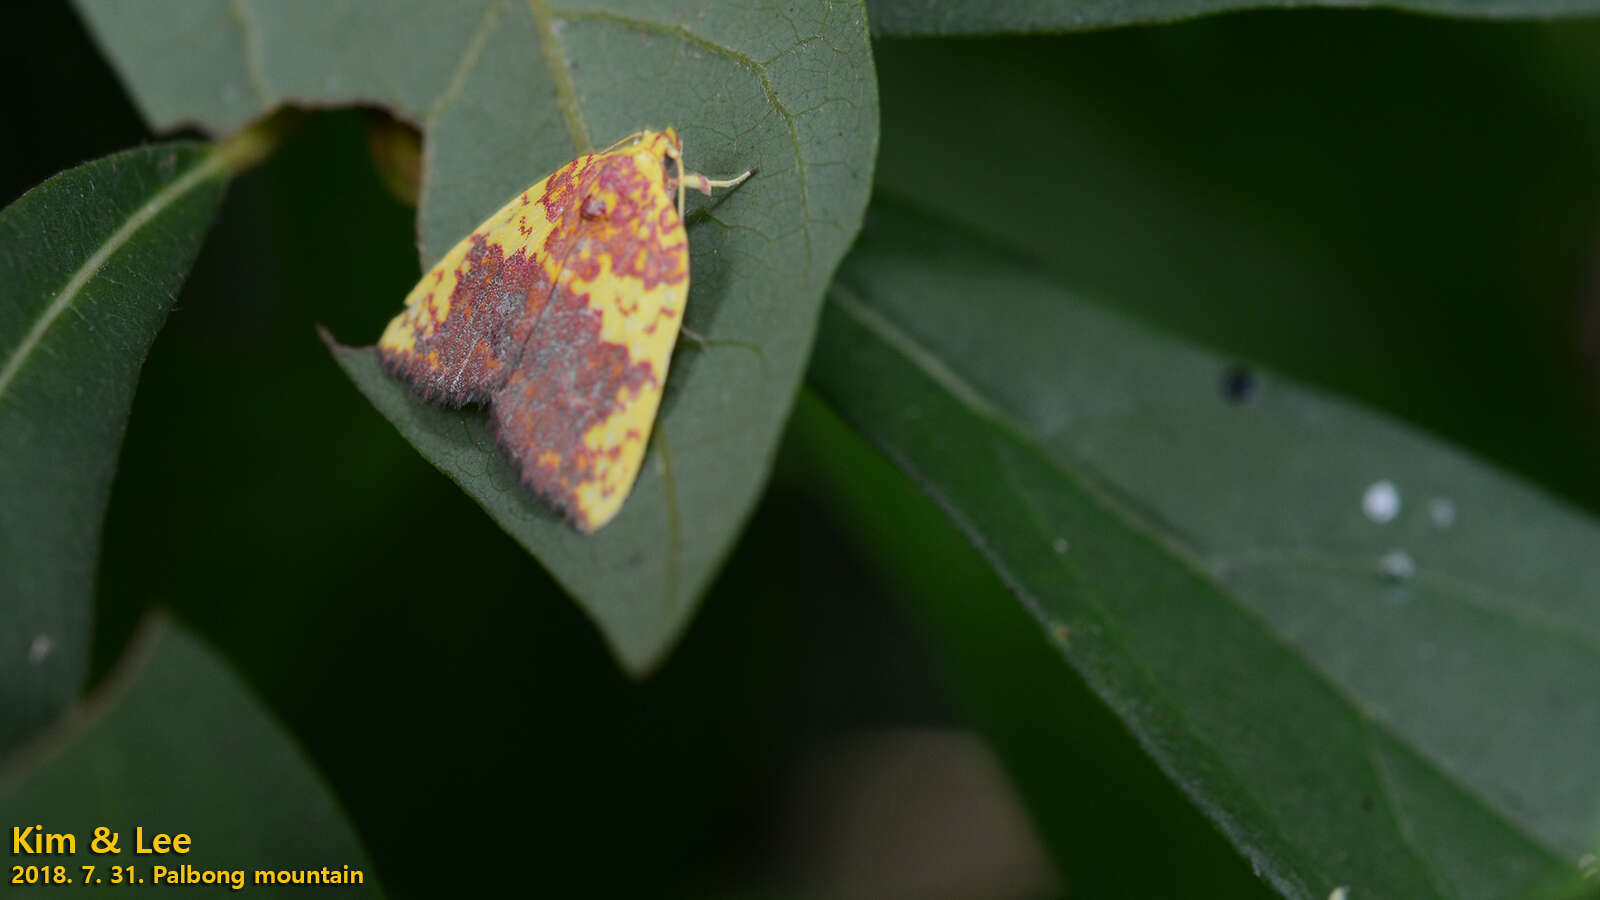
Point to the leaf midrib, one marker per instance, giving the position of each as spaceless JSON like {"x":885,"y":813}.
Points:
{"x":214,"y":164}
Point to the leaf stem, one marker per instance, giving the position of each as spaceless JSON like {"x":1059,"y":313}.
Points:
{"x":250,"y":145}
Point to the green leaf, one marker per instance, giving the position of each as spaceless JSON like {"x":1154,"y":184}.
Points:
{"x":509,"y":91}
{"x":189,"y":750}
{"x":90,"y":261}
{"x":1403,"y":705}
{"x":920,"y":18}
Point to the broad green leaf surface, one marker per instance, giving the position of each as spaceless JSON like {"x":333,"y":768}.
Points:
{"x":509,"y":91}
{"x":90,"y":261}
{"x":176,"y":743}
{"x":1402,"y":705}
{"x":927,"y":18}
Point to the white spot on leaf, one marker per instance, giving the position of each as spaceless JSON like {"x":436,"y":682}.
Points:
{"x":1442,"y":512}
{"x":40,"y":648}
{"x":1398,"y":565}
{"x":1381,"y":502}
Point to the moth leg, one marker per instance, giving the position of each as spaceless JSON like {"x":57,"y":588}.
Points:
{"x":706,"y":185}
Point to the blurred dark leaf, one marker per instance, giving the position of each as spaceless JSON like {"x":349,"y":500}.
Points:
{"x":175,"y":744}
{"x":1403,"y":209}
{"x":1369,"y":658}
{"x":90,"y":261}
{"x":74,"y":112}
{"x":927,"y":18}
{"x":1097,"y":800}
{"x":507,"y":92}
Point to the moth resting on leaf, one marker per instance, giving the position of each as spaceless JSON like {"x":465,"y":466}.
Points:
{"x":560,"y":313}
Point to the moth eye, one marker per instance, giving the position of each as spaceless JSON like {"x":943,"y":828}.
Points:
{"x":593,"y":208}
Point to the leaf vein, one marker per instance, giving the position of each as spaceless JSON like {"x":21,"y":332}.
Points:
{"x":1402,"y":823}
{"x":213,"y":164}
{"x":255,"y":70}
{"x":464,"y":65}
{"x":555,"y":59}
